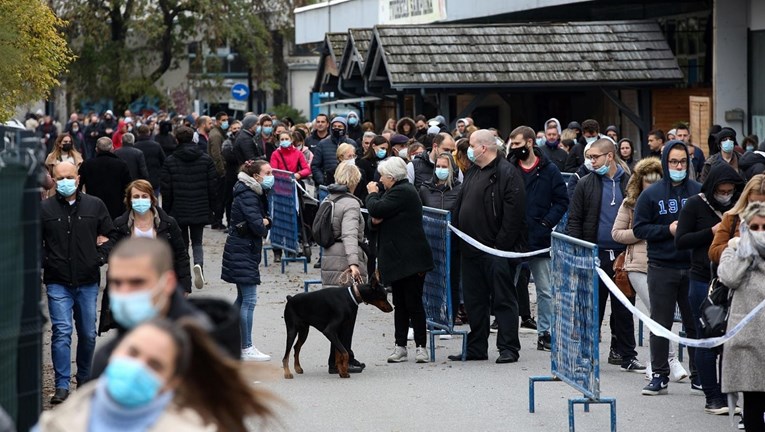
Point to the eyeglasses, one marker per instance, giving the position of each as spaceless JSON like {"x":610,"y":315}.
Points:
{"x":757,"y":227}
{"x":682,"y":162}
{"x":593,"y":158}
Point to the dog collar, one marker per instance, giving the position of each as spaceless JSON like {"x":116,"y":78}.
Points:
{"x":353,"y":296}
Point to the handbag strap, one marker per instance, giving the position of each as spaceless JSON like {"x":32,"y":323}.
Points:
{"x":717,"y":212}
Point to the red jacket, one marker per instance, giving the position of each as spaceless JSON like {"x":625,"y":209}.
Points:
{"x":292,"y":160}
{"x":117,"y":137}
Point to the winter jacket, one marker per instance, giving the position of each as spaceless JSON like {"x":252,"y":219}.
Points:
{"x":242,"y":252}
{"x":155,"y":158}
{"x":266,"y":145}
{"x":325,"y":159}
{"x":574,"y":179}
{"x":118,"y":134}
{"x":546,"y":200}
{"x":636,"y":256}
{"x":556,"y":155}
{"x":166,"y":229}
{"x":657,"y":208}
{"x":728,"y":229}
{"x":752,"y":163}
{"x":106,"y":176}
{"x":105,"y":125}
{"x":435,"y":195}
{"x":165,"y":138}
{"x":202,"y":142}
{"x":189,"y":185}
{"x":744,"y":356}
{"x":135,"y":161}
{"x":214,"y":146}
{"x":292,"y":160}
{"x":74,"y":416}
{"x":51,"y":161}
{"x":717,"y":159}
{"x":314,"y":139}
{"x":585,"y":207}
{"x":245,"y":148}
{"x":575,"y":158}
{"x":491,"y":208}
{"x":699,"y":214}
{"x":402,"y":248}
{"x":348,"y":229}
{"x":69,"y":232}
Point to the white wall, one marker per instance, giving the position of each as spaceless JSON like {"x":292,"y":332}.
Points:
{"x":300,"y":81}
{"x":312,"y":22}
{"x":729,"y":71}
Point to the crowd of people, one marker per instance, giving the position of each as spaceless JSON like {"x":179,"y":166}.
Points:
{"x":136,"y":191}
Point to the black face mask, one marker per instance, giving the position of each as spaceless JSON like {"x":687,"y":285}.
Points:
{"x":520,"y":153}
{"x":66,"y":147}
{"x":338,"y":133}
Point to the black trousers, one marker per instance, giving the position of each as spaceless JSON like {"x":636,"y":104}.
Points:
{"x":220,"y":198}
{"x":754,"y":408}
{"x":483,"y":276}
{"x":407,"y":301}
{"x":228,"y":196}
{"x":522,"y":286}
{"x":345,"y":334}
{"x":195,"y":232}
{"x":622,"y":323}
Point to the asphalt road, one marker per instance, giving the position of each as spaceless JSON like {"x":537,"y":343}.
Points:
{"x":441,"y":395}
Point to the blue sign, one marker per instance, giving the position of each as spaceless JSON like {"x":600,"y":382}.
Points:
{"x":240,"y":91}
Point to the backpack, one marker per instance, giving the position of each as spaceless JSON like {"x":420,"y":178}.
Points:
{"x":322,"y":223}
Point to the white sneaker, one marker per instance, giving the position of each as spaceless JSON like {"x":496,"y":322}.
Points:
{"x":410,"y":334}
{"x":677,"y":372}
{"x":398,"y":355}
{"x":199,"y":277}
{"x":422,"y":355}
{"x":252,"y":354}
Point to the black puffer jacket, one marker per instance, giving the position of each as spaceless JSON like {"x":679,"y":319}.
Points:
{"x":165,"y":138}
{"x":245,"y":148}
{"x":325,"y":159}
{"x":155,"y":158}
{"x":70,"y":254}
{"x":584,"y":208}
{"x":242,"y":253}
{"x":188,"y":185}
{"x":167,"y":229}
{"x":439,"y":195}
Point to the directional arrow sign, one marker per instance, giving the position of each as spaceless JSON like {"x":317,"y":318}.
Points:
{"x":240,"y":91}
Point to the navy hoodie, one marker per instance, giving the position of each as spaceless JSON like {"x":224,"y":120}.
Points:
{"x":659,"y":206}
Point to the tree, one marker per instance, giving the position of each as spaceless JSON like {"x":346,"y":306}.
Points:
{"x":33,"y":52}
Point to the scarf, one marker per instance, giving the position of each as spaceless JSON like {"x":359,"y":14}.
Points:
{"x":250,"y":182}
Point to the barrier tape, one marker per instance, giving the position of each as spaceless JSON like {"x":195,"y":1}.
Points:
{"x":305,"y":192}
{"x":659,"y":330}
{"x":496,"y":252}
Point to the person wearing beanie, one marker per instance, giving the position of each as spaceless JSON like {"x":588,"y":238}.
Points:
{"x":400,"y":145}
{"x":726,"y":142}
{"x":354,"y":126}
{"x":325,"y":155}
{"x":244,"y":145}
{"x":613,"y":133}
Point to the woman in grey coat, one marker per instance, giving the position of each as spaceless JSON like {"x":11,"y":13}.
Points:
{"x":742,"y":269}
{"x":345,"y":261}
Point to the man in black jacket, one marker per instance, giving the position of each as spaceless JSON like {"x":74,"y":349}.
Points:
{"x":133,"y":157}
{"x":320,"y":132}
{"x":325,"y":154}
{"x":140,"y":265}
{"x":591,"y":216}
{"x":106,"y":176}
{"x":244,"y":146}
{"x":420,"y":169}
{"x":491,"y":210}
{"x":72,"y":223}
{"x":152,"y":153}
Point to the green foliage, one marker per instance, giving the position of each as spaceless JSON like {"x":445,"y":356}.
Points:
{"x":285,"y":110}
{"x":33,"y":53}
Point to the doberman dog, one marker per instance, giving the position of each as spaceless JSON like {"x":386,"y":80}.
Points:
{"x":329,"y":310}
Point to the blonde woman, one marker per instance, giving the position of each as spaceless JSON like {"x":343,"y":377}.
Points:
{"x":754,"y":191}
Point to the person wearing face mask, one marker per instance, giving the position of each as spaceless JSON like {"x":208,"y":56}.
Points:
{"x":71,"y":224}
{"x":421,"y":123}
{"x":726,"y":140}
{"x":231,"y":168}
{"x":347,"y":153}
{"x":421,"y":168}
{"x":63,"y":151}
{"x":400,"y":145}
{"x":656,"y":215}
{"x":699,"y":220}
{"x":546,"y":203}
{"x":289,"y":158}
{"x":551,"y":144}
{"x":214,"y":146}
{"x":591,"y":217}
{"x":108,"y":125}
{"x":354,"y":126}
{"x":242,"y":253}
{"x":265,"y":139}
{"x":325,"y":158}
{"x":158,"y":379}
{"x":188,"y":182}
{"x":590,"y":133}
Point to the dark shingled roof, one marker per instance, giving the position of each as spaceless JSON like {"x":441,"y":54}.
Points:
{"x":533,"y":54}
{"x":337,"y":43}
{"x":361,"y":39}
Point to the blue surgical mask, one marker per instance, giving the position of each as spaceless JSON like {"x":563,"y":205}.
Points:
{"x":224,"y":125}
{"x":727,"y":145}
{"x":132,"y":309}
{"x":285,"y":144}
{"x":268,"y":130}
{"x":268,"y":181}
{"x":750,"y":148}
{"x":677,"y":175}
{"x":130,"y":383}
{"x":140,"y":205}
{"x":603,"y":170}
{"x":442,"y":173}
{"x":471,"y":154}
{"x":258,"y":129}
{"x":591,"y":140}
{"x":540,"y":141}
{"x":66,"y":187}
{"x":353,"y":121}
{"x":381,"y":153}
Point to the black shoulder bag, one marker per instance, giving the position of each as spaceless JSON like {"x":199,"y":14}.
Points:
{"x":715,"y":309}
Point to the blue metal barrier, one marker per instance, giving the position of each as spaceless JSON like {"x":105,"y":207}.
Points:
{"x":437,"y":292}
{"x":283,"y":203}
{"x":575,"y":356}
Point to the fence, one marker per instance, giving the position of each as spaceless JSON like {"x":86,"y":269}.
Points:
{"x":20,"y":315}
{"x":285,"y":228}
{"x":575,"y":357}
{"x":437,"y":292}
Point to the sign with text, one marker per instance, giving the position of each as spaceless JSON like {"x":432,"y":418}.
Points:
{"x":236,"y":105}
{"x":412,"y":11}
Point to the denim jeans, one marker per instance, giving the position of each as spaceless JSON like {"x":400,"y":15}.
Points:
{"x":64,"y":302}
{"x":706,"y":359}
{"x":540,"y":268}
{"x":246,"y":298}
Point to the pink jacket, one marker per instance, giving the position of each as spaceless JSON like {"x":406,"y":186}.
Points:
{"x":292,"y":160}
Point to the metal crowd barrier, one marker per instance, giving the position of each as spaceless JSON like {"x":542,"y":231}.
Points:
{"x":284,"y":207}
{"x":575,"y":357}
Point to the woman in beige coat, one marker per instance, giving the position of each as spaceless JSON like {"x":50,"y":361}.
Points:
{"x":742,"y":269}
{"x":645,"y":173}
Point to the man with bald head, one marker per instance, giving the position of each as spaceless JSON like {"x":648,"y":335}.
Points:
{"x":491,"y":208}
{"x":72,"y":223}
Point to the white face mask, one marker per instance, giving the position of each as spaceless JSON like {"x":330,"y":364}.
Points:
{"x":403,"y":152}
{"x":588,"y":164}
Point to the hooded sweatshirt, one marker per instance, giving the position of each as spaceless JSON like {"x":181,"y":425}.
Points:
{"x":551,"y":150}
{"x":658,"y":207}
{"x":700,"y":214}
